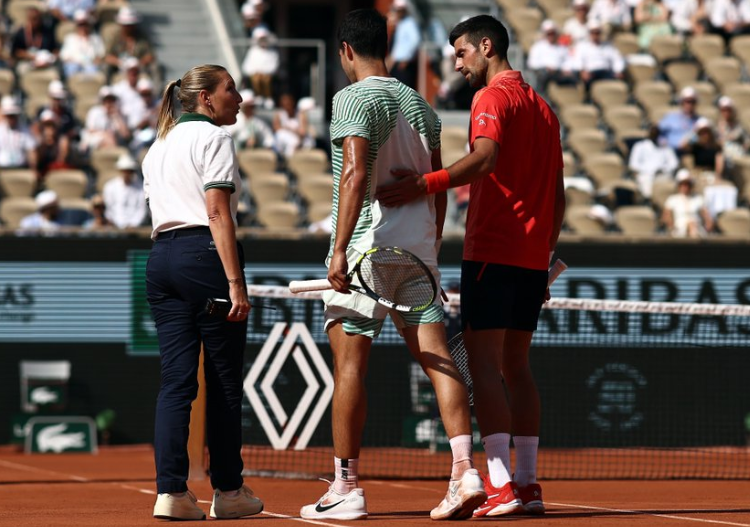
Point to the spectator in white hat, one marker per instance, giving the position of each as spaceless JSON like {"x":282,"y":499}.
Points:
{"x":58,"y":104}
{"x":574,"y":29}
{"x":250,"y":131}
{"x":123,"y":195}
{"x":261,"y":64}
{"x":547,"y":57}
{"x":17,"y":144}
{"x":730,"y":133}
{"x":130,"y":42}
{"x":131,"y":102}
{"x":82,"y":50}
{"x":705,"y":150}
{"x":685,"y":215}
{"x":402,"y":61}
{"x":105,"y":124}
{"x":34,"y":45}
{"x":252,"y":17}
{"x":595,"y":59}
{"x":676,"y":126}
{"x":45,"y":219}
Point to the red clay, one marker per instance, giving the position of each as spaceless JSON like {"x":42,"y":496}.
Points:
{"x":115,"y":488}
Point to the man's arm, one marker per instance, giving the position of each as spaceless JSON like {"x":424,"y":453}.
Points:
{"x":472,"y":167}
{"x":441,"y":199}
{"x":352,"y":189}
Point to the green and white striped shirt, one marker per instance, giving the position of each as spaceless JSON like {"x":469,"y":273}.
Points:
{"x":403,"y":131}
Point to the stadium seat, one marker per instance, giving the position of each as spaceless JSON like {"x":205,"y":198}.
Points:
{"x":626,"y":43}
{"x":63,"y":29}
{"x":33,"y":104}
{"x":454,"y":138}
{"x":739,"y":92}
{"x":636,"y":220}
{"x":640,"y":72}
{"x":607,"y":93}
{"x":313,"y":161}
{"x":550,"y":6}
{"x":652,"y":94}
{"x":257,"y":161}
{"x":525,"y":20}
{"x":105,"y":159}
{"x":17,"y":182}
{"x":578,"y":116}
{"x":103,"y":176}
{"x":723,"y":71}
{"x":67,"y":183}
{"x":82,"y":107}
{"x":740,"y":48}
{"x":560,"y":16}
{"x":86,"y":85}
{"x":14,"y":209}
{"x":709,"y":111}
{"x":682,"y":73}
{"x":581,"y":221}
{"x":587,"y":142}
{"x":576,"y":196}
{"x":625,"y":138}
{"x":450,"y":156}
{"x":666,"y":47}
{"x":282,"y":215}
{"x":562,"y":95}
{"x":7,"y":80}
{"x":315,"y":188}
{"x":570,"y":167}
{"x":706,"y":92}
{"x":15,"y":10}
{"x":662,"y":188}
{"x":735,"y":223}
{"x":34,"y":83}
{"x":510,"y":5}
{"x":318,"y":211}
{"x":706,"y":47}
{"x":269,"y":188}
{"x":624,"y":117}
{"x":604,"y":169}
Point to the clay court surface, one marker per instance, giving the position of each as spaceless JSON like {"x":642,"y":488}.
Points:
{"x":115,"y":488}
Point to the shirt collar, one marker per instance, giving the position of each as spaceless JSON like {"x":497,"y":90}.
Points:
{"x":188,"y":117}
{"x":506,"y":75}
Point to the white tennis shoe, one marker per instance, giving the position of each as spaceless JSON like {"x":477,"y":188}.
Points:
{"x":463,"y":496}
{"x":335,"y":506}
{"x":178,"y":506}
{"x":243,"y":504}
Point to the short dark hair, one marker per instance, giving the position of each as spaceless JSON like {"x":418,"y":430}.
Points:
{"x":366,"y":32}
{"x":478,"y":27}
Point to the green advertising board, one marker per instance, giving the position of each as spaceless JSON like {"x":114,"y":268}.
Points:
{"x":60,"y":434}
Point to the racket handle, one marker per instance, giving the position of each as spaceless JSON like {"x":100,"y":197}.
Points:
{"x":301,"y":286}
{"x":556,"y":270}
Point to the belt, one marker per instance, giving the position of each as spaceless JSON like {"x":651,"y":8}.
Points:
{"x":181,"y":233}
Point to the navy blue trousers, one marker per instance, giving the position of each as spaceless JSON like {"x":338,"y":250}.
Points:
{"x":181,"y":274}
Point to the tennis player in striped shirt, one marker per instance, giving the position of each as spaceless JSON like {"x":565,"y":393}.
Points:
{"x":379,"y":123}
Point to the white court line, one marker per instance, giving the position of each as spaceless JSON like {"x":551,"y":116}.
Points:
{"x":150,"y":492}
{"x":635,"y":511}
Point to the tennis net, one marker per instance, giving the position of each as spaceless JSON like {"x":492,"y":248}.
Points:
{"x":629,"y":390}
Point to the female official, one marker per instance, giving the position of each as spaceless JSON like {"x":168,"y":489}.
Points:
{"x":191,"y":183}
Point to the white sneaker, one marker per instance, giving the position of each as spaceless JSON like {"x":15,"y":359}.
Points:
{"x":335,"y":506}
{"x":463,"y":496}
{"x":181,"y":506}
{"x":243,"y":504}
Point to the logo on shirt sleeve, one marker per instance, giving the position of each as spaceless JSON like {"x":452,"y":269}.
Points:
{"x":480,"y":118}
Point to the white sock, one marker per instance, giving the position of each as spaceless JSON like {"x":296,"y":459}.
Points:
{"x":497,"y":447}
{"x":526,"y":455}
{"x":461,"y":449}
{"x":347,"y":478}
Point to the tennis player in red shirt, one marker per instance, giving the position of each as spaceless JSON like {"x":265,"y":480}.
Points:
{"x":516,"y":208}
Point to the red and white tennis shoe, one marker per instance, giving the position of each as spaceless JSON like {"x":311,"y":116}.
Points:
{"x":335,"y":506}
{"x":531,"y":497}
{"x":463,"y":496}
{"x":500,"y":501}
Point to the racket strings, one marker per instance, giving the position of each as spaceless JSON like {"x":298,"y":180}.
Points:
{"x":398,"y":278}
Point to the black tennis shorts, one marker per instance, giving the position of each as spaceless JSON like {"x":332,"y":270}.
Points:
{"x":496,"y":296}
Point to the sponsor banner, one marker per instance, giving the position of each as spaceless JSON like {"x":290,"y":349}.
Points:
{"x":58,"y":434}
{"x":106,"y":303}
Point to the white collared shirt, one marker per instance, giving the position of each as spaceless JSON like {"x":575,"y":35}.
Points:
{"x":588,"y":56}
{"x":544,"y":55}
{"x":125,"y":205}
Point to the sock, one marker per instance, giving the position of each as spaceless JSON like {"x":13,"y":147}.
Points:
{"x":346,"y":475}
{"x":497,"y":447}
{"x":461,"y":449}
{"x":526,"y":455}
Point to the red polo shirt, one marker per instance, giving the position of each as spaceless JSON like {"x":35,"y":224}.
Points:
{"x":510,"y":215}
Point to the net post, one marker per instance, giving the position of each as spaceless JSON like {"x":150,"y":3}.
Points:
{"x":197,"y":434}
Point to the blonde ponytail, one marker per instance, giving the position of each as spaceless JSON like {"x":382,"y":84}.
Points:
{"x":167,"y":119}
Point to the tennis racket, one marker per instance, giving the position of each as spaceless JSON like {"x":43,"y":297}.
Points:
{"x":458,"y":350}
{"x":391,"y":276}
